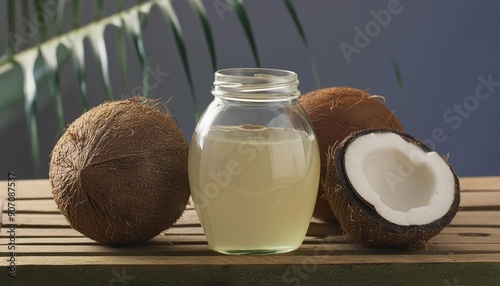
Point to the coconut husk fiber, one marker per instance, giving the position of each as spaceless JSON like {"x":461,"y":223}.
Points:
{"x":335,"y":113}
{"x":359,"y":220}
{"x":119,"y":172}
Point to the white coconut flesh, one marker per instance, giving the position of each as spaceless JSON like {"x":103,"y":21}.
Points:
{"x":404,"y":184}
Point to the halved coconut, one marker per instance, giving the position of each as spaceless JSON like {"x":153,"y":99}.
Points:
{"x":389,"y":190}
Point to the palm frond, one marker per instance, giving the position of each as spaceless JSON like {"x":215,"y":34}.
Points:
{"x":201,"y":13}
{"x":78,"y":59}
{"x":59,"y":16}
{"x":241,"y":14}
{"x":26,"y":15}
{"x":49,"y":55}
{"x":22,"y":66}
{"x":133,"y":28}
{"x":27,"y":63}
{"x":99,"y":9}
{"x":397,"y":73}
{"x":11,"y":20}
{"x":296,"y":21}
{"x":40,"y":16}
{"x":300,"y":30}
{"x":171,"y":18}
{"x":77,"y":18}
{"x":96,"y":38}
{"x":73,"y":41}
{"x":121,"y":50}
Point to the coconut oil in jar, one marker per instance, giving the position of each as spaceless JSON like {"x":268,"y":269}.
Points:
{"x":254,"y":164}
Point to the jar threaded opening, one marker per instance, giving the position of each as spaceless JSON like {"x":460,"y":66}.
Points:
{"x":256,"y":84}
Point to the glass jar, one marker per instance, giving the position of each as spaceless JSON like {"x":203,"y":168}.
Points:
{"x":254,"y":163}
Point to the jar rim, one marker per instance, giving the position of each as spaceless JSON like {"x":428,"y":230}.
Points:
{"x":256,"y":84}
{"x":252,"y":72}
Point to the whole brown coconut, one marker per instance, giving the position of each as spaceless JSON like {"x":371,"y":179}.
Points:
{"x":119,"y":172}
{"x":335,"y":113}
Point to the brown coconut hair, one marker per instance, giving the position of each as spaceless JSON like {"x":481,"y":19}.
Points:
{"x":119,"y":172}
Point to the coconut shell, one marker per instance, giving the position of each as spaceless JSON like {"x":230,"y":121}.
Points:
{"x":119,"y":172}
{"x":335,"y":113}
{"x":359,"y":220}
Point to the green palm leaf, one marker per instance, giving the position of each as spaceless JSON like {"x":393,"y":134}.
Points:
{"x":121,"y":50}
{"x":397,"y":73}
{"x":42,"y":29}
{"x":300,"y":30}
{"x":171,"y":18}
{"x":73,"y":41}
{"x":241,"y":13}
{"x":77,"y":19}
{"x":21,"y":67}
{"x":133,"y":28}
{"x":27,"y":63}
{"x":26,"y":15}
{"x":59,"y":17}
{"x":296,"y":21}
{"x":11,"y":20}
{"x":49,"y":56}
{"x":99,"y":9}
{"x":201,"y":13}
{"x":78,"y":58}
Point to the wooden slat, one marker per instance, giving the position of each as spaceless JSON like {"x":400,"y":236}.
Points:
{"x":476,"y":218}
{"x":160,"y":239}
{"x":69,"y":232}
{"x":486,"y":236}
{"x":40,"y":206}
{"x":468,"y":200}
{"x":35,"y":206}
{"x":462,"y":218}
{"x":315,"y":229}
{"x":480,"y":200}
{"x":32,"y":189}
{"x":22,"y":219}
{"x":42,"y":232}
{"x":468,"y":235}
{"x":42,"y":189}
{"x":192,"y":230}
{"x":480,"y":184}
{"x":82,"y":240}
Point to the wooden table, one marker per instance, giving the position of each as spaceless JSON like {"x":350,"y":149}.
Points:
{"x":49,"y":252}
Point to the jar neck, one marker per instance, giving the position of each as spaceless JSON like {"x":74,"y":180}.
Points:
{"x":256,"y":85}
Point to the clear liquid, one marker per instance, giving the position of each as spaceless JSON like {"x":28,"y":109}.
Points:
{"x":254,"y":188}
